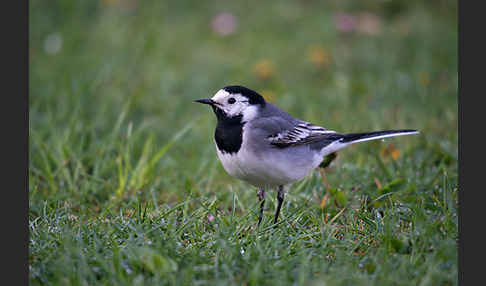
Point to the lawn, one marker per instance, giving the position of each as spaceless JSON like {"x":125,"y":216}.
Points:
{"x":124,"y":183}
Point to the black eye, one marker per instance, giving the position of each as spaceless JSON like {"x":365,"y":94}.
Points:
{"x":231,"y":100}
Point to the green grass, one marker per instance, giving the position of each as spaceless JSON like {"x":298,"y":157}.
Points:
{"x":124,"y":184}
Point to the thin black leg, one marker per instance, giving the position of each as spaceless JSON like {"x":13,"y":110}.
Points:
{"x":261,"y":198}
{"x":280,"y":198}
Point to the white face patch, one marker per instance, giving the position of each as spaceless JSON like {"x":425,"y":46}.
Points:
{"x":235,"y":105}
{"x":249,"y":113}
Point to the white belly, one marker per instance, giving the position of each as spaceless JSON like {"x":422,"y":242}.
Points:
{"x":268,"y":171}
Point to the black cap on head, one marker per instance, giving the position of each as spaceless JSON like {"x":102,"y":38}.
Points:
{"x":253,"y":96}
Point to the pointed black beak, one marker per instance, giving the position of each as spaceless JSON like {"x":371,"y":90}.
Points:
{"x":205,"y":101}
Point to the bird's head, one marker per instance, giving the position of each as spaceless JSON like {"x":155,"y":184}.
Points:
{"x":235,"y":102}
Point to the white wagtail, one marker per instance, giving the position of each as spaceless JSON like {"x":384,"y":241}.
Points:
{"x":261,"y":144}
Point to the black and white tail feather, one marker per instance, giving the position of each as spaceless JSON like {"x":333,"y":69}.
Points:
{"x":367,"y":136}
{"x":328,"y":140}
{"x":340,"y":141}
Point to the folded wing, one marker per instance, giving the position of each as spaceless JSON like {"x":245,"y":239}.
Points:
{"x":301,"y":133}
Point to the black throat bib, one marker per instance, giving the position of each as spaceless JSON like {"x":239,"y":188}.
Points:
{"x":229,"y":132}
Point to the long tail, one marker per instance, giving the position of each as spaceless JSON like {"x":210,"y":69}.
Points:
{"x":340,"y":141}
{"x":366,"y":136}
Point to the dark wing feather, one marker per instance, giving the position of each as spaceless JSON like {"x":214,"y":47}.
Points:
{"x":302,"y":133}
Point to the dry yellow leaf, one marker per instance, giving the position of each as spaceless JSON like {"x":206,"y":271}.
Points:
{"x":390,"y":150}
{"x":318,"y":55}
{"x":264,"y":69}
{"x":323,"y":201}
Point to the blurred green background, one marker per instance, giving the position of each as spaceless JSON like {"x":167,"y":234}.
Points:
{"x":112,"y":124}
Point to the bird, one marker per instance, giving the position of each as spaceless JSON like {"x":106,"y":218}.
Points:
{"x":261,"y":144}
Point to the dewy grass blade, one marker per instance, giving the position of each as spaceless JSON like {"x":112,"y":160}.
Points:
{"x":165,"y":214}
{"x":337,"y":215}
{"x":208,"y":210}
